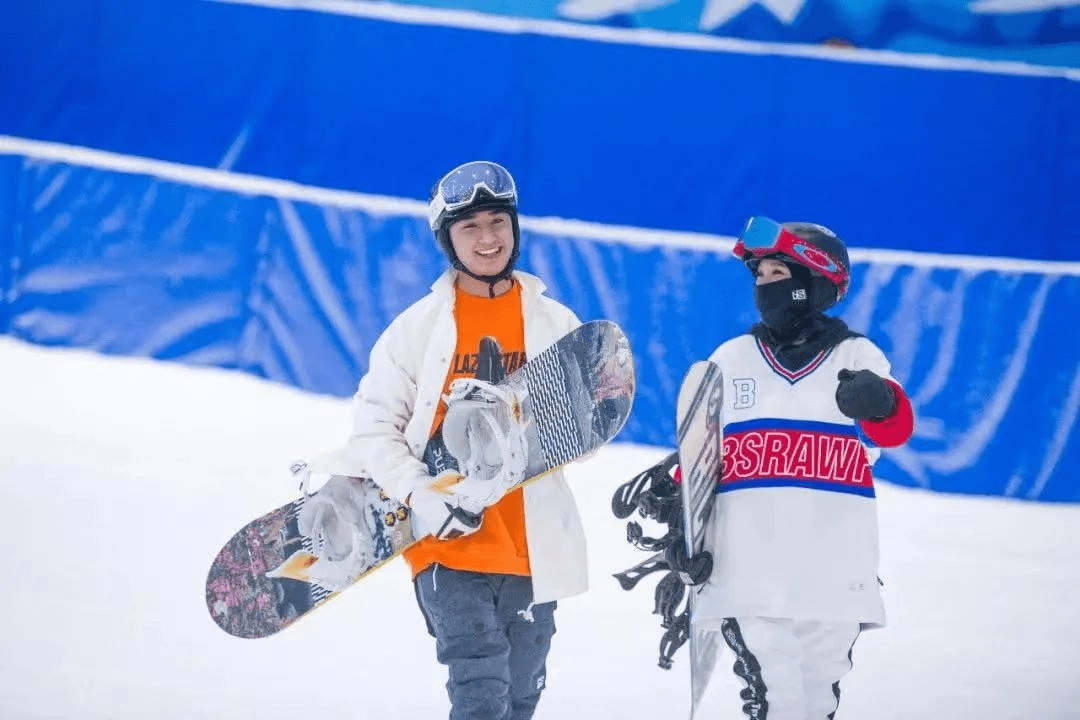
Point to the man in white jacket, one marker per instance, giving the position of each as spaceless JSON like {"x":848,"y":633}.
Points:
{"x":487,"y":589}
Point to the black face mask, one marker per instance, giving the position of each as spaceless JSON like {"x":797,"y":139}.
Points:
{"x":782,"y":304}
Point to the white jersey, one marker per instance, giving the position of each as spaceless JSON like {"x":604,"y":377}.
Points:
{"x":794,"y":530}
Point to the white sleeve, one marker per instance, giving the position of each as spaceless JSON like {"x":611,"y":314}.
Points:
{"x":382,"y":409}
{"x":869,"y":356}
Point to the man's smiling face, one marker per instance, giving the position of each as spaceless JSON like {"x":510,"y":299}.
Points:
{"x":484,"y":241}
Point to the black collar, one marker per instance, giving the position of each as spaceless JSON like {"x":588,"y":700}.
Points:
{"x":813,"y":335}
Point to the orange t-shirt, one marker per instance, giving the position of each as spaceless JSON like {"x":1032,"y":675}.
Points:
{"x":499,"y":545}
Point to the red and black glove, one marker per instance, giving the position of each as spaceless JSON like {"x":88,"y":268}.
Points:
{"x":879,"y":406}
{"x":864,"y":395}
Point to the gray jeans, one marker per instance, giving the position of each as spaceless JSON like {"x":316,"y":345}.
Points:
{"x":491,"y":637}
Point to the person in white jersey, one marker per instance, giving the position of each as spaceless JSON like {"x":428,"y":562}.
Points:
{"x":808,"y":404}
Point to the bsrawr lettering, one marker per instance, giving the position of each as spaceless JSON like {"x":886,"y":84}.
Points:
{"x":803,"y":457}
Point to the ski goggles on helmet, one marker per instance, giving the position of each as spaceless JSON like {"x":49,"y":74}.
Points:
{"x":763,"y":237}
{"x":459,"y":187}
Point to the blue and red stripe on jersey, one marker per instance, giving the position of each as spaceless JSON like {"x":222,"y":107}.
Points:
{"x":776,"y":452}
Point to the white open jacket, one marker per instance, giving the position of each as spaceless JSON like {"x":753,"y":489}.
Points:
{"x":395,"y":404}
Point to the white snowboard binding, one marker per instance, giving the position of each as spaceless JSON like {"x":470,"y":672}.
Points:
{"x":484,"y":430}
{"x":334,"y":519}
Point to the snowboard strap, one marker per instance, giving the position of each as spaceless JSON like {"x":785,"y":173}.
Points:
{"x":333,"y":520}
{"x":482,"y":429}
{"x":625,"y":501}
{"x":654,"y":494}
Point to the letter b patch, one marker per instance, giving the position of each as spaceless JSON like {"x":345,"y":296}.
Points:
{"x":745,"y":392}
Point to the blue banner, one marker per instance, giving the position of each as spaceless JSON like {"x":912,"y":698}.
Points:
{"x":937,"y":159}
{"x":298,"y":290}
{"x":243,"y":186}
{"x":1044,"y":32}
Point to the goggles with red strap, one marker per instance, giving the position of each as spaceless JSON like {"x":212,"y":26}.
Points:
{"x":763,"y":237}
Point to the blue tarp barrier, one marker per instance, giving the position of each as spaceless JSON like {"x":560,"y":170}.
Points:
{"x":1047,"y":33}
{"x":298,"y":291}
{"x":101,"y":253}
{"x":618,"y":133}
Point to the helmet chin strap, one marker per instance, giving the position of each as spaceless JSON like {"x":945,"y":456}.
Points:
{"x":491,"y":280}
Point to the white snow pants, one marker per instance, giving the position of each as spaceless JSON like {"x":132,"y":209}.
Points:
{"x":790,"y":669}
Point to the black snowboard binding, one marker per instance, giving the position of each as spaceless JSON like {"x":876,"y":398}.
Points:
{"x":655,"y":495}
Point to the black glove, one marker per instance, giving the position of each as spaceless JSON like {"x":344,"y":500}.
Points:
{"x":864,"y":395}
